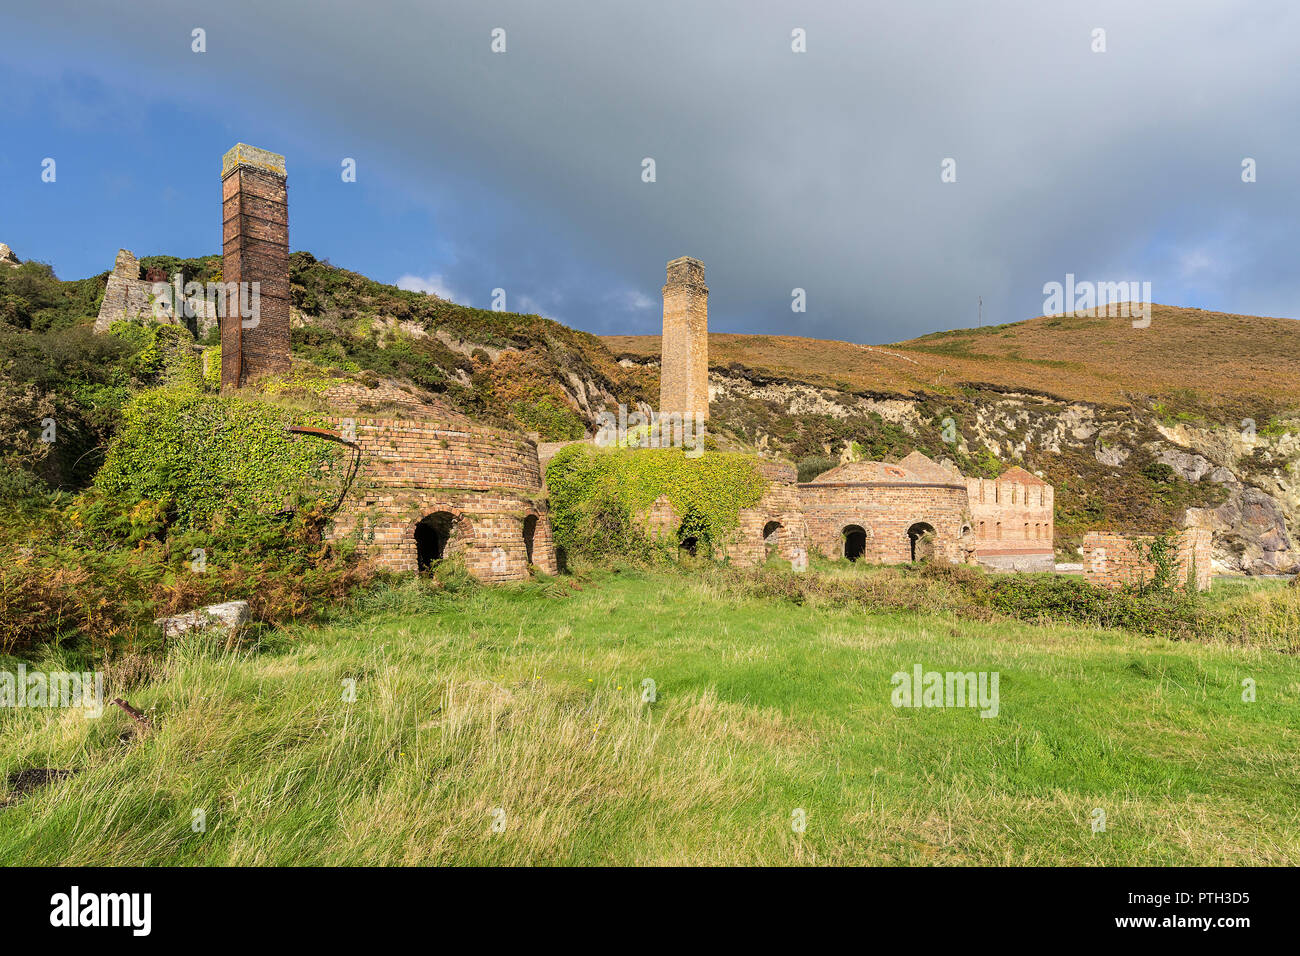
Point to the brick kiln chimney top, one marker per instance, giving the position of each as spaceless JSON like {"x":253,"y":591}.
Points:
{"x":241,"y":154}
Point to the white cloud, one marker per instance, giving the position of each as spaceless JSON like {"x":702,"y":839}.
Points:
{"x":429,"y":285}
{"x":633,"y":300}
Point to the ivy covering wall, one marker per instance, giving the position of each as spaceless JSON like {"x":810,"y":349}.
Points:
{"x":207,"y":456}
{"x":596,"y":494}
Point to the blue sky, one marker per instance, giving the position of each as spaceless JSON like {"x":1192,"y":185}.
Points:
{"x":820,"y":170}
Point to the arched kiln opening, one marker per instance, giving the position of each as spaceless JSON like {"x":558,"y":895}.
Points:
{"x":432,"y":535}
{"x":530,"y":529}
{"x":921,"y":539}
{"x":772,"y":536}
{"x":855,"y":542}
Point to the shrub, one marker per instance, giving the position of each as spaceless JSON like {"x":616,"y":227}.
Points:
{"x":597,"y":495}
{"x":207,"y":457}
{"x":814,"y":465}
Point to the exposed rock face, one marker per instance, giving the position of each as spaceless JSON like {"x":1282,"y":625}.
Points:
{"x":1249,"y":532}
{"x":7,"y":256}
{"x":216,"y":617}
{"x":1111,"y":455}
{"x":1260,"y":472}
{"x":1189,"y":466}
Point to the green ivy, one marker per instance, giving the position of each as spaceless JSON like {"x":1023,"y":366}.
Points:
{"x":607,"y":488}
{"x":207,"y":456}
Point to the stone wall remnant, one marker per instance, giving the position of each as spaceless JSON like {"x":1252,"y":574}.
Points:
{"x":1115,"y":560}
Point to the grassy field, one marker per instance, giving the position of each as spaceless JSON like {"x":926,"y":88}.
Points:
{"x":523,"y":705}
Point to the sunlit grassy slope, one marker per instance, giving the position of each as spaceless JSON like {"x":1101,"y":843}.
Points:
{"x":527,"y":700}
{"x":1207,"y":358}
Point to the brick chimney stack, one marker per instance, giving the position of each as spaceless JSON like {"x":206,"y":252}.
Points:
{"x":255,"y":248}
{"x":684,"y":369}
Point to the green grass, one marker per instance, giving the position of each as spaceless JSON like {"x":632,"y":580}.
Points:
{"x":528,"y":698}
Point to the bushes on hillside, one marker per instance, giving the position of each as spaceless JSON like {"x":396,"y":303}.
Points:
{"x":189,"y":509}
{"x":32,"y":297}
{"x":1269,"y":618}
{"x":80,"y":580}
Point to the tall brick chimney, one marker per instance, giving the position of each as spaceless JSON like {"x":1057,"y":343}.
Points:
{"x":255,"y":248}
{"x":684,"y":369}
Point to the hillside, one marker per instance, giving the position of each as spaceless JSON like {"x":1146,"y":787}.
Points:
{"x":1194,"y":420}
{"x":1207,"y":363}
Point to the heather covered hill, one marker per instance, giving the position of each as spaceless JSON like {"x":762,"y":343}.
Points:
{"x":1205,"y":364}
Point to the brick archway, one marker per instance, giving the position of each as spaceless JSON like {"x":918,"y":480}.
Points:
{"x":530,"y":533}
{"x":772,"y":532}
{"x":922,"y":540}
{"x":441,"y":533}
{"x":855,"y":541}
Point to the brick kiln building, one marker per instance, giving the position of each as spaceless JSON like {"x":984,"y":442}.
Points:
{"x":870,"y":510}
{"x":885,"y":513}
{"x":888,"y":514}
{"x":427,"y":486}
{"x":428,"y":490}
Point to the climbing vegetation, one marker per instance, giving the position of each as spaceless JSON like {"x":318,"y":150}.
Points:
{"x":205,"y":457}
{"x":598,"y":495}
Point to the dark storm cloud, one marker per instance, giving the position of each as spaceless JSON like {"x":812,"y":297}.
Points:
{"x":817,"y":170}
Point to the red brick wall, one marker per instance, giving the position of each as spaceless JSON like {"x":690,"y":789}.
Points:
{"x":1111,"y":560}
{"x":885,"y":511}
{"x":488,"y":481}
{"x":1013,"y":523}
{"x":255,"y":248}
{"x":780,"y":503}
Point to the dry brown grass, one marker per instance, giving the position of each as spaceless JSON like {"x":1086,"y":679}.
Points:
{"x":1226,"y":360}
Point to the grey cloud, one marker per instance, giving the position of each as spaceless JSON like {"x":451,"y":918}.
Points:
{"x":816,"y":170}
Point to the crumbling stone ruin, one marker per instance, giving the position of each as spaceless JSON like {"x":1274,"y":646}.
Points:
{"x":128,"y":297}
{"x":1115,"y":560}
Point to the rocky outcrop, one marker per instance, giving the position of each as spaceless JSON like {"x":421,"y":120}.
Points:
{"x":1250,"y":532}
{"x":1253,"y":527}
{"x":7,"y":256}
